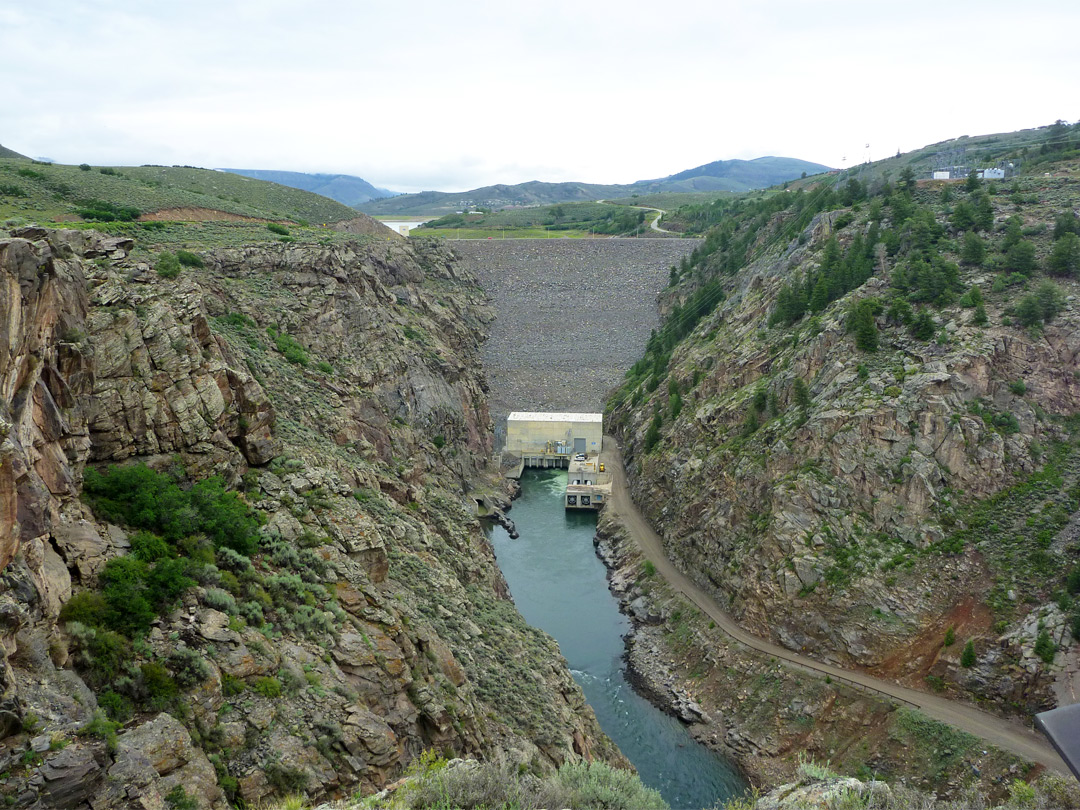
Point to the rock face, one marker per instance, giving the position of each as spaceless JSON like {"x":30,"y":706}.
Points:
{"x":339,"y":387}
{"x":828,"y":525}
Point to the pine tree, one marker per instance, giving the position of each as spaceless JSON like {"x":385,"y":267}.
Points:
{"x":1065,"y":257}
{"x":861,"y":322}
{"x":974,"y":250}
{"x":984,"y":213}
{"x":1021,"y":258}
{"x":923,"y":325}
{"x":1028,"y":311}
{"x":967,"y":657}
{"x":979,"y":318}
{"x":801,"y":394}
{"x":963,"y":216}
{"x":819,"y":299}
{"x":1014,"y":232}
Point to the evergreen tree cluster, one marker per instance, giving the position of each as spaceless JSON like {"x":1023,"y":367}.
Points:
{"x":838,"y":273}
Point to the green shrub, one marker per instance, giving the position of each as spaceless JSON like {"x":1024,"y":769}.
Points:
{"x":286,"y":780}
{"x":950,"y":636}
{"x":238,"y":319}
{"x":324,"y":367}
{"x":1018,"y":387}
{"x":101,"y":211}
{"x":116,"y":706}
{"x":267,"y":686}
{"x":189,"y":259}
{"x":138,"y":496}
{"x":86,"y":607}
{"x":277,"y":228}
{"x":188,"y":667}
{"x":439,"y":441}
{"x":1021,"y":794}
{"x":231,"y":685}
{"x":167,"y":265}
{"x":178,"y":799}
{"x":289,"y":346}
{"x":158,"y":685}
{"x":101,"y":726}
{"x":148,"y":547}
{"x":1045,"y":648}
{"x":220,"y":600}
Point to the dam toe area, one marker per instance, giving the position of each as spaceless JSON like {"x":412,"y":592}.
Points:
{"x":572,"y":315}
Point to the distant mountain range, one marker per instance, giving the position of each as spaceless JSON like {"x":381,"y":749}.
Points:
{"x":344,"y":188}
{"x":721,"y":175}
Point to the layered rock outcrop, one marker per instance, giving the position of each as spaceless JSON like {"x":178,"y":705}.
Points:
{"x":339,"y":389}
{"x":839,"y":520}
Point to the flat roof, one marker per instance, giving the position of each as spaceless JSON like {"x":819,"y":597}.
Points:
{"x":550,"y":416}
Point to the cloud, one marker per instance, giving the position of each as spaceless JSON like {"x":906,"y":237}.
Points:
{"x":463,"y":95}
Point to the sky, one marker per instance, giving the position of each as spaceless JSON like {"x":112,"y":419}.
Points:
{"x":434,"y":94}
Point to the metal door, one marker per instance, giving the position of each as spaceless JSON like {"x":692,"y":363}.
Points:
{"x":579,"y":445}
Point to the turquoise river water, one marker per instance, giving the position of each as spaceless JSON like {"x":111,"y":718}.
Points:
{"x":560,"y":586}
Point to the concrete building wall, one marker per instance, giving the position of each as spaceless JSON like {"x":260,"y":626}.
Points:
{"x":527,"y":436}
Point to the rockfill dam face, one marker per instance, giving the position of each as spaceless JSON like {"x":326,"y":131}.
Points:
{"x":572,"y":315}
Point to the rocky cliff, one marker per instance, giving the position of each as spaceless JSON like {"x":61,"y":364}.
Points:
{"x":856,"y":487}
{"x":338,"y":389}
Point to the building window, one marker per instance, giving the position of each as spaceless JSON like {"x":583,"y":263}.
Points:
{"x":584,"y":500}
{"x":571,"y":500}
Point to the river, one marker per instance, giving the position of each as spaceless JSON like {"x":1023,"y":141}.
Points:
{"x":560,"y":586}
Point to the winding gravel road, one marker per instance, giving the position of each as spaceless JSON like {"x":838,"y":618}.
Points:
{"x":1006,"y":735}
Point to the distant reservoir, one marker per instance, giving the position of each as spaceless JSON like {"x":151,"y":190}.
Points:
{"x":560,"y":586}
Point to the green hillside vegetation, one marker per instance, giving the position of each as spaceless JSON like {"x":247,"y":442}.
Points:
{"x":345,"y":188}
{"x":11,"y":153}
{"x":739,"y":175}
{"x":670,"y":200}
{"x":937,"y":238}
{"x":569,"y":219}
{"x":1027,"y":148}
{"x":55,"y":192}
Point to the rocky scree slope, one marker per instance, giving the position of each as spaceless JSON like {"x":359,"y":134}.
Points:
{"x":324,"y":604}
{"x":878,"y":507}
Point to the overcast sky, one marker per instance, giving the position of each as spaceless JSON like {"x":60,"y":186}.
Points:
{"x":445,"y":95}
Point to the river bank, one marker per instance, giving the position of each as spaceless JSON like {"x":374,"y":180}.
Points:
{"x":767,"y":717}
{"x":560,"y":586}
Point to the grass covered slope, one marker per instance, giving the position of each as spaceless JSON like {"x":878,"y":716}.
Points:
{"x":563,"y":219}
{"x":344,"y":188}
{"x":848,"y":378}
{"x":54,"y":192}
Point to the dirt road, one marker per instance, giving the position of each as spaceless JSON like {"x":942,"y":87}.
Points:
{"x":1006,"y":735}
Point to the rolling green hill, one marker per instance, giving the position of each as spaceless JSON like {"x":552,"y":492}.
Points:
{"x":724,"y":175}
{"x":11,"y":153}
{"x":345,"y":188}
{"x":55,"y":192}
{"x":738,"y":175}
